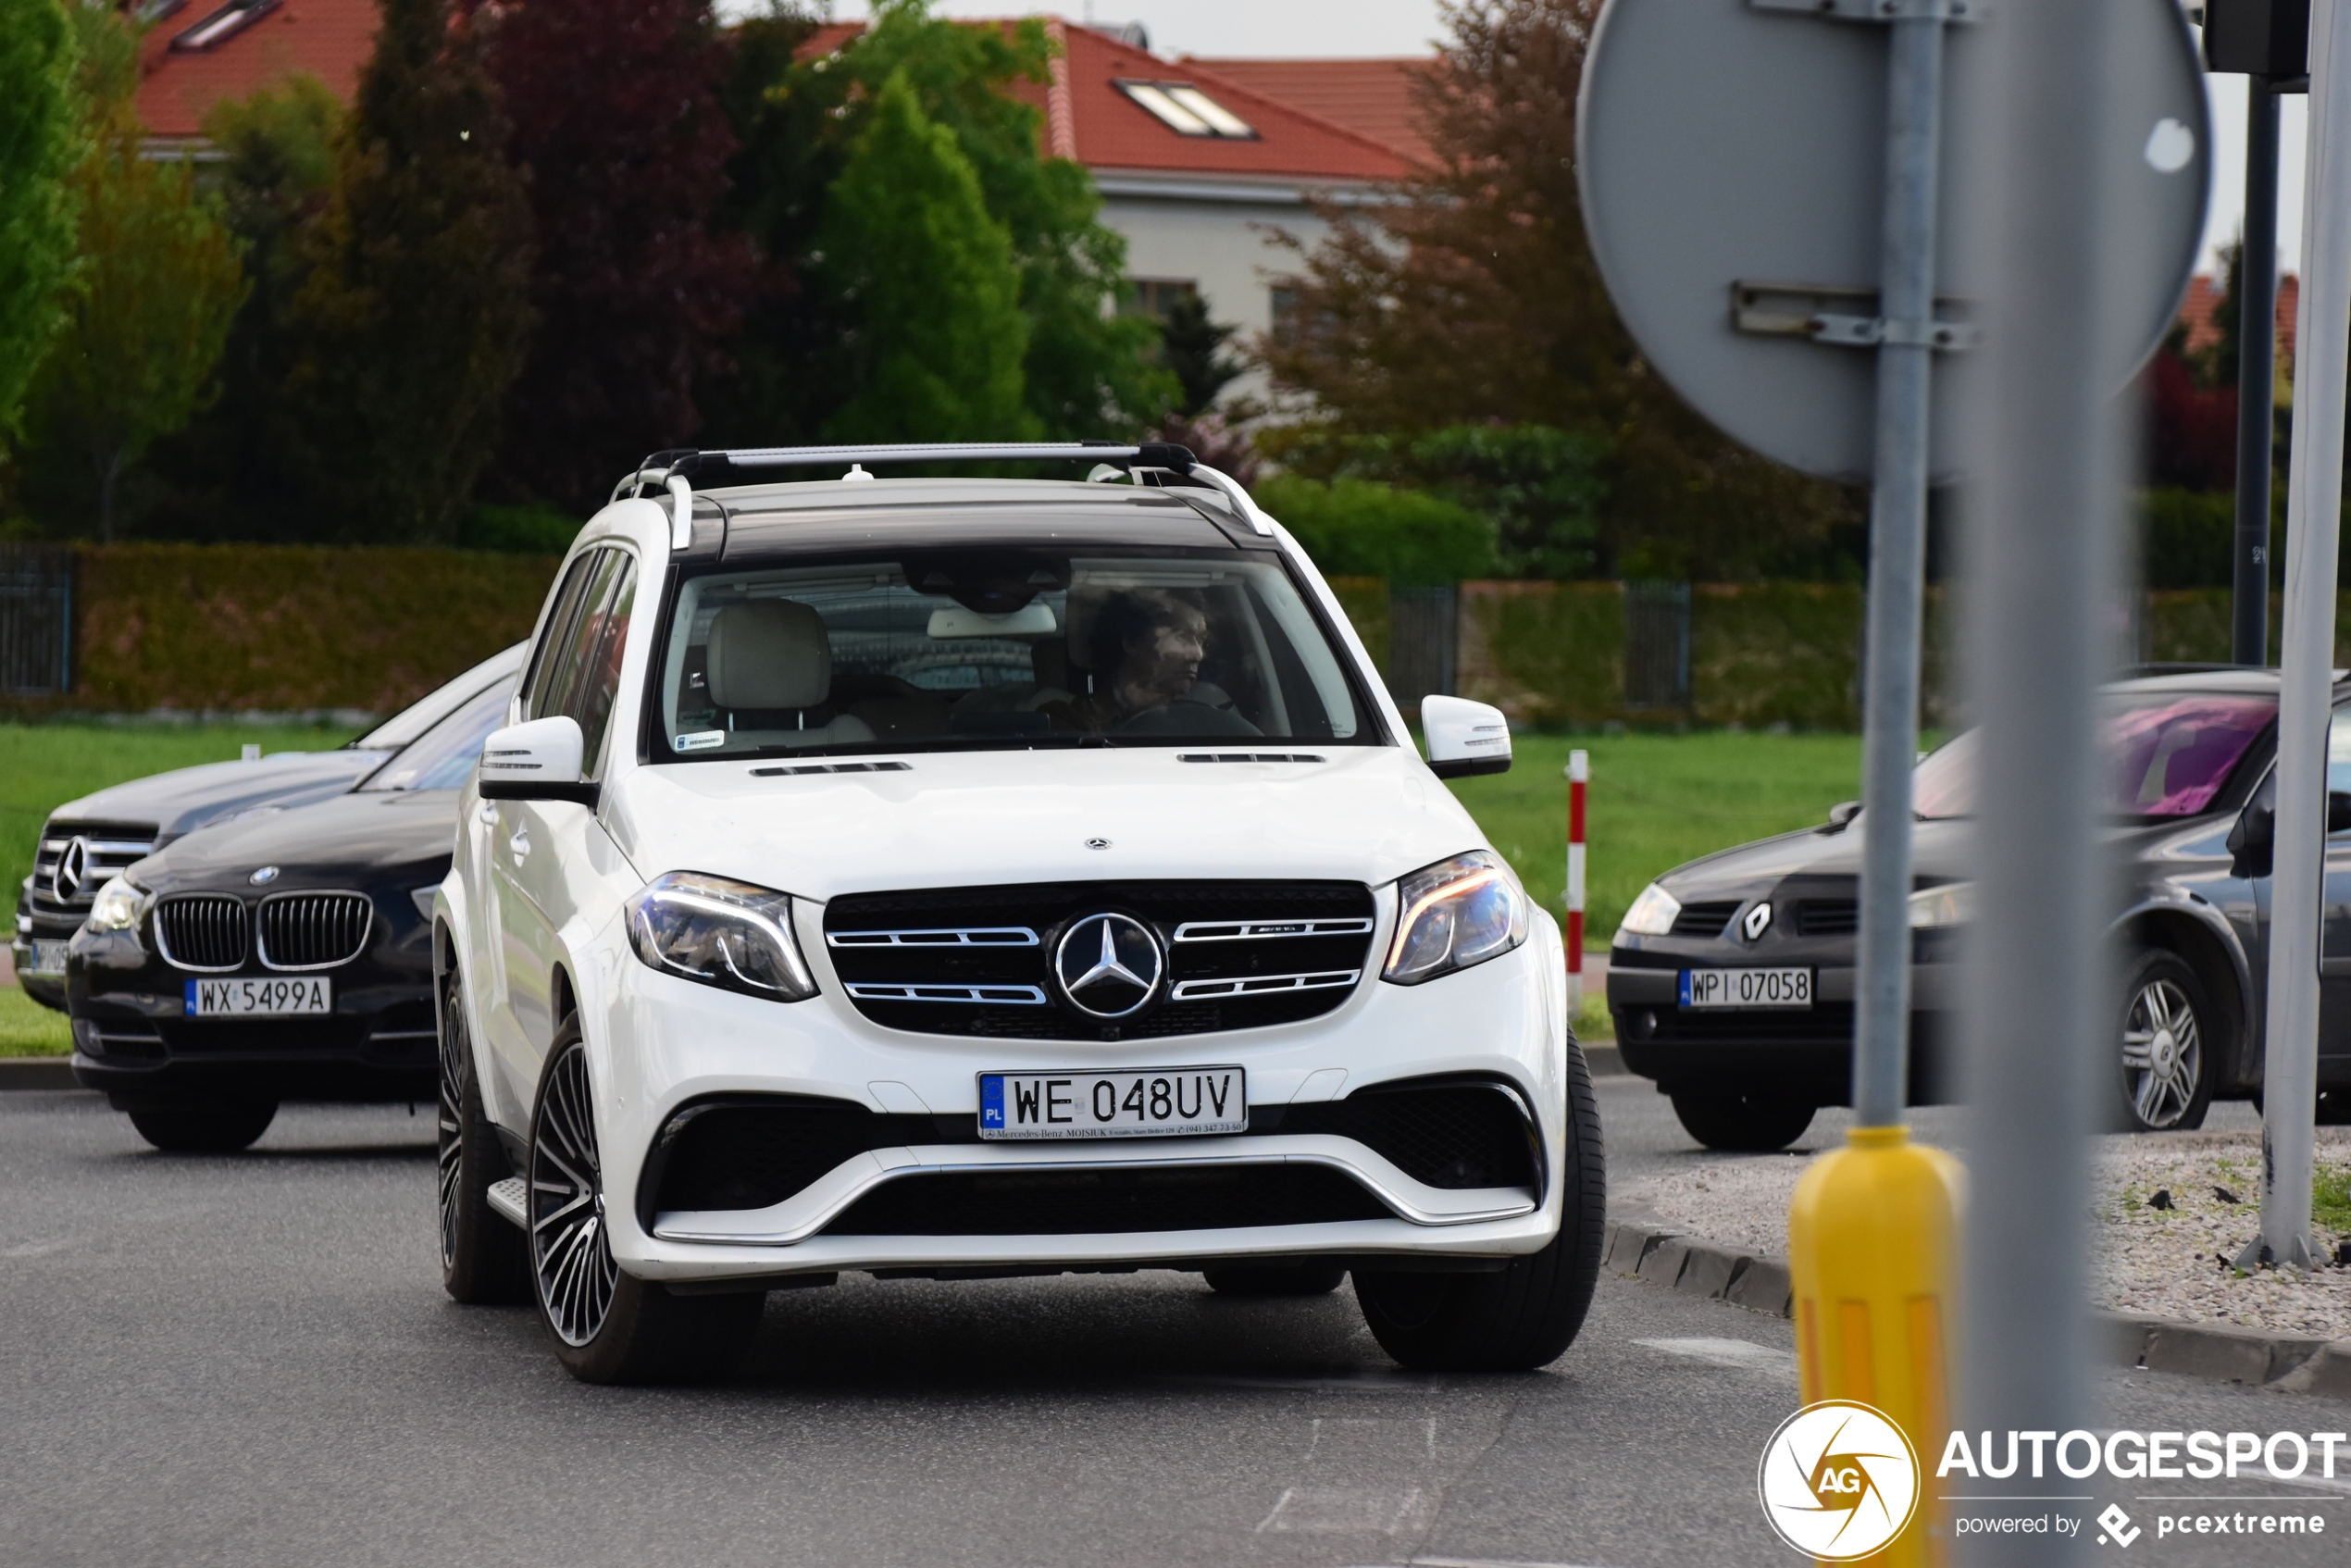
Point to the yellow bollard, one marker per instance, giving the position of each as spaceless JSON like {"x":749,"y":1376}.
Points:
{"x":1871,"y":1240}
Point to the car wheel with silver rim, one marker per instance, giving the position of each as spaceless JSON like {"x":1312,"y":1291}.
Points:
{"x":608,"y":1326}
{"x":2166,"y":1064}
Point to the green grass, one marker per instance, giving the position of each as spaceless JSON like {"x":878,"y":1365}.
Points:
{"x":44,"y":766}
{"x":2331,"y":1197}
{"x":27,"y":1028}
{"x":1654,"y":801}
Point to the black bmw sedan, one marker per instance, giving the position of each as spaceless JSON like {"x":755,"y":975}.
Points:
{"x":1731,"y":981}
{"x":286,"y":954}
{"x":86,"y":842}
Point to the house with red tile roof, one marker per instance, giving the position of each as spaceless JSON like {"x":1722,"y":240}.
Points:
{"x":2203,"y":300}
{"x":1199,"y":161}
{"x":198,"y":52}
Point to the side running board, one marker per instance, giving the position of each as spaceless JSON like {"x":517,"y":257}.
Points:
{"x":506,"y":1203}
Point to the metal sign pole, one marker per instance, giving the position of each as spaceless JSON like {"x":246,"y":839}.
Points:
{"x":2257,"y":370}
{"x":2314,"y":516}
{"x":1897,"y":551}
{"x":2042,"y":518}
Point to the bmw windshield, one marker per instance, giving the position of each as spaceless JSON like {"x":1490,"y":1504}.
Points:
{"x":999,"y":649}
{"x":2163,"y":754}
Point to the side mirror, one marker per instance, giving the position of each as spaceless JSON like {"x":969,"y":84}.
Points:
{"x":2253,"y":841}
{"x":1843,"y":813}
{"x":539,"y":761}
{"x":1464,"y":738}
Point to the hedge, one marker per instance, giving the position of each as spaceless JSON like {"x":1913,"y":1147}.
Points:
{"x":290,"y":627}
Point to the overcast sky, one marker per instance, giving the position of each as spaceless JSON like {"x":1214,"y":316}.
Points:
{"x":1409,"y":27}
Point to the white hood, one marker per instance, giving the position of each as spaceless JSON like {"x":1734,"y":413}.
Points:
{"x":1367,"y":814}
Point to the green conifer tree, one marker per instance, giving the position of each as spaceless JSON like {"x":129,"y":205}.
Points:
{"x":933,"y":278}
{"x":414,"y":313}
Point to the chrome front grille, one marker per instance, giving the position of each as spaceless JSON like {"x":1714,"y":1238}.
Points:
{"x":66,"y":877}
{"x":313,"y":930}
{"x":203,"y":931}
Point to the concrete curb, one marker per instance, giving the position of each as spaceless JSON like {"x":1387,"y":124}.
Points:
{"x":1605,"y":1061}
{"x":36,"y":1072}
{"x":1671,"y":1256}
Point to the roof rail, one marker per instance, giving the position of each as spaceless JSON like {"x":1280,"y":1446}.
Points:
{"x":678,"y":470}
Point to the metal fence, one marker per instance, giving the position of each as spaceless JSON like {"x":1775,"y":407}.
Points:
{"x":1424,"y":634}
{"x":36,"y":619}
{"x":1656,"y":645}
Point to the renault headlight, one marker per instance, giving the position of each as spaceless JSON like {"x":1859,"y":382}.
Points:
{"x":119,"y":906}
{"x":1652,"y":914}
{"x":1953,"y":903}
{"x":727,"y":934}
{"x":1452,"y":915}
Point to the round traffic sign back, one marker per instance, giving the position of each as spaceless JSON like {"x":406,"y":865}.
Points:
{"x":1731,"y":163}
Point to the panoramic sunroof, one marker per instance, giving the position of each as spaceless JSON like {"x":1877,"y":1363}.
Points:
{"x":1188,"y":111}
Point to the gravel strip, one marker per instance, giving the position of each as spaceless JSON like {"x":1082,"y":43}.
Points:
{"x":2158,"y":1261}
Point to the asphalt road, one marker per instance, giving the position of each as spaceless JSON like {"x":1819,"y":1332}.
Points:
{"x":249,"y":1361}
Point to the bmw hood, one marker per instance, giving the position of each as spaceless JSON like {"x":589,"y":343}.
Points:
{"x":189,"y":797}
{"x":1367,"y":814}
{"x":350,"y":837}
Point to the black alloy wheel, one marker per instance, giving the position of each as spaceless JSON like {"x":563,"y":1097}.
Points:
{"x":1525,"y":1314}
{"x":2166,"y":1060}
{"x":608,"y":1326}
{"x":483,"y":1262}
{"x":1742,"y":1124}
{"x":206,"y":1128}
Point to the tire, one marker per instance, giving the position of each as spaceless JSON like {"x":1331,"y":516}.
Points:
{"x":483,"y":1261}
{"x":608,"y":1326}
{"x":1528,"y":1314}
{"x":207,"y":1130}
{"x":1743,"y":1123}
{"x":2165,"y":1057}
{"x":1275,"y":1279}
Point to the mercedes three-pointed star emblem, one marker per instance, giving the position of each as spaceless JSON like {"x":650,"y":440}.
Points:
{"x":71,"y":871}
{"x":1109,"y":965}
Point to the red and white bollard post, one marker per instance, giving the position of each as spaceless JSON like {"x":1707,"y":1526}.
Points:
{"x":1579,"y":770}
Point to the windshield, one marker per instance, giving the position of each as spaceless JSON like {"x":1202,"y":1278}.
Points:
{"x":999,"y":648}
{"x":442,"y":757}
{"x":412,"y":721}
{"x":2163,"y":754}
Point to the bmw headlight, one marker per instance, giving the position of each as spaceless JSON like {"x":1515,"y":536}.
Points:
{"x":1452,"y":915}
{"x":727,"y":934}
{"x":1652,"y":914}
{"x":1953,"y":903}
{"x":119,"y":906}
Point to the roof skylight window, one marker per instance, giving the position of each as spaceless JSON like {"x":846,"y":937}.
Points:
{"x":224,"y":23}
{"x":1188,"y":111}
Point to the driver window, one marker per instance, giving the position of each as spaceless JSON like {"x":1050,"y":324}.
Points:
{"x":546,"y":659}
{"x":599,"y":680}
{"x":2339,"y":756}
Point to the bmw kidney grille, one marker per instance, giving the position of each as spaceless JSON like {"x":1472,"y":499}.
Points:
{"x":214,"y":933}
{"x":201,"y":931}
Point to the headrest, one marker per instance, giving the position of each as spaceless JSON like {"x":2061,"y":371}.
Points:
{"x":769,"y":654}
{"x":1079,"y":613}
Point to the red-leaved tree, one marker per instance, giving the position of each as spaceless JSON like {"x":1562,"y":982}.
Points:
{"x":615,"y":119}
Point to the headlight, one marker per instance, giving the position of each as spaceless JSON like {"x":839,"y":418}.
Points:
{"x":726,"y":934}
{"x":1652,"y":914}
{"x":119,"y":906}
{"x":1953,"y":903}
{"x":1452,"y":915}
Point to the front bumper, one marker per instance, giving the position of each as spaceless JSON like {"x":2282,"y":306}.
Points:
{"x":1804,"y":1054}
{"x":658,"y":1043}
{"x":134,"y":1041}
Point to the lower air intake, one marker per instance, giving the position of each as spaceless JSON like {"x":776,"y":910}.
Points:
{"x":1107,"y":1203}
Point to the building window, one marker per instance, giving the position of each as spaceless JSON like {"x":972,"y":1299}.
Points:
{"x":1156,"y":296}
{"x":1188,"y":111}
{"x":223,"y":24}
{"x":1281,"y":312}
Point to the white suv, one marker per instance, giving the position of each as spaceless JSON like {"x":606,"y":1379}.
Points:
{"x":957,"y":878}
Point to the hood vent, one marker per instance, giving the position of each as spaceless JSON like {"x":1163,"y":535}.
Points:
{"x":1249,"y":757}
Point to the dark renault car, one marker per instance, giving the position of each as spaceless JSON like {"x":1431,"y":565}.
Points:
{"x":87,"y":841}
{"x":1731,"y":981}
{"x":284,"y":956}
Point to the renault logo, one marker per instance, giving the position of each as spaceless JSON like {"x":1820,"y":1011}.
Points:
{"x":1757,"y":921}
{"x":1108,"y":964}
{"x":73,"y":870}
